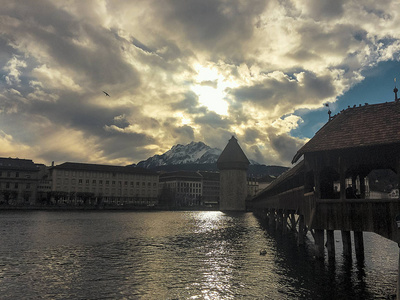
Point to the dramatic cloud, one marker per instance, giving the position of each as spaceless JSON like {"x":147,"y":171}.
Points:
{"x":178,"y":71}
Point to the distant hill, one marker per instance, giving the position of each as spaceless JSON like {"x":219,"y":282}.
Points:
{"x":197,"y":156}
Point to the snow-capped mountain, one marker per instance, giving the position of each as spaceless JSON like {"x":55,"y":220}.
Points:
{"x":193,"y":153}
{"x":198,"y":156}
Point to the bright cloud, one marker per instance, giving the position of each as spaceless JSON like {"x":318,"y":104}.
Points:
{"x":178,"y":71}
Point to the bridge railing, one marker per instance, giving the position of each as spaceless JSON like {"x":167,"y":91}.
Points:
{"x":374,"y":215}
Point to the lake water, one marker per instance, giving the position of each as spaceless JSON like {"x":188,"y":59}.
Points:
{"x":177,"y":255}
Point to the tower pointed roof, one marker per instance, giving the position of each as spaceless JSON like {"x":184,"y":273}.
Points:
{"x":232,"y":157}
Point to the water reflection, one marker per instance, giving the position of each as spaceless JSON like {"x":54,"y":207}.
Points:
{"x":176,"y":255}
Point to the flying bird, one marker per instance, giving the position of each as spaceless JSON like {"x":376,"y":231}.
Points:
{"x":106,"y":93}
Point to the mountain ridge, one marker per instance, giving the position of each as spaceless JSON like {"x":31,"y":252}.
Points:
{"x":197,"y":156}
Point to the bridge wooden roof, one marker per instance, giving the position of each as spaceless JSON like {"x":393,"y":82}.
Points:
{"x":368,"y":125}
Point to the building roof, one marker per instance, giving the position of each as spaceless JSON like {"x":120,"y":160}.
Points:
{"x":212,"y":176}
{"x":283,"y":179}
{"x":181,"y":175}
{"x":232,"y":157}
{"x":103,"y":168}
{"x":17,"y":164}
{"x":362,"y":126}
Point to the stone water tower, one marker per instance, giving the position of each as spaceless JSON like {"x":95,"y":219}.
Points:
{"x":233,"y":165}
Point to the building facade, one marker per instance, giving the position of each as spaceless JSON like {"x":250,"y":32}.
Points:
{"x":78,"y":183}
{"x":181,"y":188}
{"x":18,"y":181}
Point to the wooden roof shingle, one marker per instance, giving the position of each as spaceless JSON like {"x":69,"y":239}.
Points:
{"x":361,"y":126}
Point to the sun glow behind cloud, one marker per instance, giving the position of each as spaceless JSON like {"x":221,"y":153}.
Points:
{"x":181,"y":71}
{"x":210,"y":88}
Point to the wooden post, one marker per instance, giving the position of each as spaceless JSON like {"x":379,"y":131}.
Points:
{"x":346,"y":243}
{"x":293,"y":221}
{"x":342,"y":170}
{"x":319,"y":243}
{"x":359,"y":245}
{"x":279,"y":220}
{"x":284,"y":221}
{"x":300,"y":236}
{"x":272,"y":219}
{"x":330,"y":243}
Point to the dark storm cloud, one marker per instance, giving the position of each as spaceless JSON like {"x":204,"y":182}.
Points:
{"x":284,"y":145}
{"x":271,"y":57}
{"x":189,"y":104}
{"x":287,"y":92}
{"x":325,"y":9}
{"x":64,"y":38}
{"x":257,"y":154}
{"x":215,"y":26}
{"x":213,"y":119}
{"x":251,"y":135}
{"x":184,"y":133}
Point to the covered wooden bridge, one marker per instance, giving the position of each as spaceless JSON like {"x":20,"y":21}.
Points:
{"x":329,"y":188}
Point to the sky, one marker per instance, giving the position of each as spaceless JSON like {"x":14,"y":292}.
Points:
{"x":179,"y":71}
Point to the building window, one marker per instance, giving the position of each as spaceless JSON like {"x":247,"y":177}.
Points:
{"x":7,"y":185}
{"x":16,"y":185}
{"x":87,"y":181}
{"x":80,"y":181}
{"x":16,"y":174}
{"x":94,"y":181}
{"x":28,"y":185}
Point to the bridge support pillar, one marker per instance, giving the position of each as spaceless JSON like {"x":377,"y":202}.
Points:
{"x":319,"y":243}
{"x":359,"y":245}
{"x":279,"y":220}
{"x":300,"y":236}
{"x":285,"y":216}
{"x":330,"y":243}
{"x":272,"y":220}
{"x":346,"y":238}
{"x":292,"y":222}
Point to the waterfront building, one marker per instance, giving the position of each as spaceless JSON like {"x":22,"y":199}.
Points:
{"x":181,"y":188}
{"x":210,"y":196}
{"x":80,"y":183}
{"x":18,"y":181}
{"x":252,"y":187}
{"x":233,"y":165}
